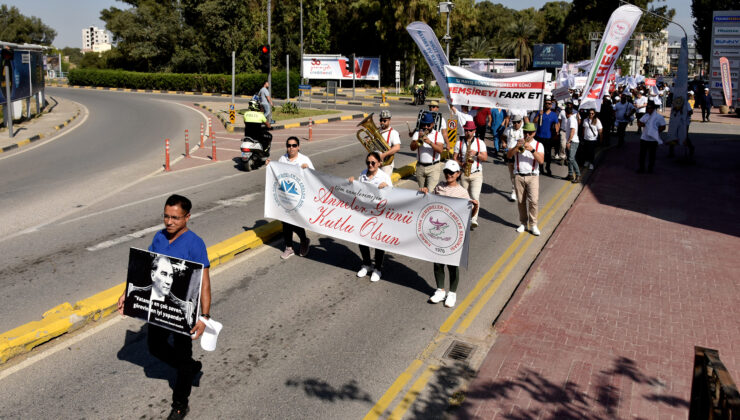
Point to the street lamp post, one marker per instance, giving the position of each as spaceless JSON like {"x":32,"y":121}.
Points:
{"x":446,"y":7}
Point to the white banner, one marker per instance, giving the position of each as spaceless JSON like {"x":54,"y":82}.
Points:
{"x":618,"y":31}
{"x":679,"y":120}
{"x":402,"y":221}
{"x":517,"y":91}
{"x":428,"y":43}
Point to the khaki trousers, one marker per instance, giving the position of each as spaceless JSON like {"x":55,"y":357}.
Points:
{"x":527,"y":196}
{"x":563,"y":142}
{"x":473,"y":184}
{"x":428,"y":176}
{"x":511,"y":174}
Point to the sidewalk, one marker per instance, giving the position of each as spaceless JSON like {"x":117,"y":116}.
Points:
{"x":58,"y":114}
{"x":642,"y":269}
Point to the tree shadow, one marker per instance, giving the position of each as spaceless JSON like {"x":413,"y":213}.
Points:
{"x":561,"y":400}
{"x":317,"y":388}
{"x":434,"y":404}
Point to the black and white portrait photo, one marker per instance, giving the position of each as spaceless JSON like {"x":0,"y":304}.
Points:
{"x":163,"y":290}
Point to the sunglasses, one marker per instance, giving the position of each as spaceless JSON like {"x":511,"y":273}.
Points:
{"x":290,"y":145}
{"x":384,"y":119}
{"x":448,"y":172}
{"x":371,"y":162}
{"x":517,"y":122}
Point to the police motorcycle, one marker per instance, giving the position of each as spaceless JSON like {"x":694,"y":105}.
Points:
{"x":420,"y":93}
{"x":255,"y":146}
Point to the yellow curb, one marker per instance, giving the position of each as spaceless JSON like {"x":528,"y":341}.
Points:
{"x":23,"y":142}
{"x":292,"y":125}
{"x":323,"y":121}
{"x":345,"y":117}
{"x":189,"y":93}
{"x":384,"y":104}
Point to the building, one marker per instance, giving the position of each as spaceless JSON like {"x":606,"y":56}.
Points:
{"x":646,"y":53}
{"x":95,"y":39}
{"x":696,"y":62}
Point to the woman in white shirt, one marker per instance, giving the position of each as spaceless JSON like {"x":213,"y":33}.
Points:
{"x":372,"y":175}
{"x":292,"y":156}
{"x":571,"y":144}
{"x":592,"y":132}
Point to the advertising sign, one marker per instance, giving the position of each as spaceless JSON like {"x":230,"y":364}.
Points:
{"x":724,"y":66}
{"x":163,"y":290}
{"x":337,"y":67}
{"x":725,"y":60}
{"x":548,"y":55}
{"x":518,"y":91}
{"x":24,"y":78}
{"x":402,"y":221}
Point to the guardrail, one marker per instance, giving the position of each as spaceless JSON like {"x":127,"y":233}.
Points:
{"x":714,"y":394}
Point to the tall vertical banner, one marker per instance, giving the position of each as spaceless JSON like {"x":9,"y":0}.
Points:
{"x":429,"y":45}
{"x":724,"y":68}
{"x":678,"y":124}
{"x":618,"y":31}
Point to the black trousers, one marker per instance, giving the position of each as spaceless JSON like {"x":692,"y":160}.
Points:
{"x":648,"y":149}
{"x":288,"y":231}
{"x":621,"y":127}
{"x":705,"y":111}
{"x":179,"y":356}
{"x":548,"y":144}
{"x":589,"y":150}
{"x":379,"y":256}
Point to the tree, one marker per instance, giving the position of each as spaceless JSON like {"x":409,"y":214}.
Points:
{"x":317,"y":38}
{"x":554,"y":14}
{"x":19,"y":29}
{"x":702,"y":10}
{"x":517,"y":40}
{"x":477,"y":47}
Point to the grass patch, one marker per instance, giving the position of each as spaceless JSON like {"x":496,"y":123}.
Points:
{"x":302,"y":112}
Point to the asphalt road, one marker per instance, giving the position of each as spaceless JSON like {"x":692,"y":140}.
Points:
{"x":303,"y":338}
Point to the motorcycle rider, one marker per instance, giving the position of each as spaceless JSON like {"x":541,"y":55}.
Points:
{"x":419,"y":90}
{"x":253,"y":120}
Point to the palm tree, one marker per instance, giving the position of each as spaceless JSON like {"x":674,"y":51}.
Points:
{"x":477,"y":47}
{"x":517,"y":39}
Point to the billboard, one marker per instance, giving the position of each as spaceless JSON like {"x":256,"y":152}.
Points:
{"x":725,"y":49}
{"x":26,"y":75}
{"x":548,"y":55}
{"x":336,"y":67}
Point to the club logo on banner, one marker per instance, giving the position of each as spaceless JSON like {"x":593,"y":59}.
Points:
{"x":402,"y":221}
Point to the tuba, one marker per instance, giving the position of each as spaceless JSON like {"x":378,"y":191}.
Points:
{"x":370,"y":137}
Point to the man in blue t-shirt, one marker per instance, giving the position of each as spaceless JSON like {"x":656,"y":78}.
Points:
{"x":497,"y":128}
{"x":548,"y":126}
{"x":176,"y":240}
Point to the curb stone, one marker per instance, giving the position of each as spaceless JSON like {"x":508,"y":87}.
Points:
{"x":37,"y":137}
{"x":67,"y":318}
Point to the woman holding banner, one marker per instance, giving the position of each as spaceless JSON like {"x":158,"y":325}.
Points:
{"x":372,"y":175}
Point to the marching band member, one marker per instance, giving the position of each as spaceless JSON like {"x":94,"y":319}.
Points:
{"x":528,"y":156}
{"x":428,"y":143}
{"x":511,"y":136}
{"x":434,"y":107}
{"x":471,"y":151}
{"x":372,"y":175}
{"x":391,"y":137}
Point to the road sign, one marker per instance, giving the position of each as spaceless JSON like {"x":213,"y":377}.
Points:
{"x":452,"y":131}
{"x":304,"y":87}
{"x":26,"y":58}
{"x":232,"y":114}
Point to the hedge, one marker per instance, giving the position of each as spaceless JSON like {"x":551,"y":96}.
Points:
{"x":245,"y":83}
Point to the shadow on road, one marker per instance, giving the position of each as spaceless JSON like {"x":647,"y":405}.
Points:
{"x":324,"y":391}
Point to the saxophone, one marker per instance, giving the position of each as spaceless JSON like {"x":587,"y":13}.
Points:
{"x":468,"y":165}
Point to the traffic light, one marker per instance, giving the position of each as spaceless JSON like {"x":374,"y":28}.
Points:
{"x":349,"y":65}
{"x":264,"y":54}
{"x":7,"y":54}
{"x":7,"y":58}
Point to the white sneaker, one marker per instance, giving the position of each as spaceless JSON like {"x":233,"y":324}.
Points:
{"x":520,"y":229}
{"x":451,"y":298}
{"x":363,"y":271}
{"x":535,"y":231}
{"x":438,"y":296}
{"x":473,"y":224}
{"x":513,"y":196}
{"x":375,"y":276}
{"x":591,"y":166}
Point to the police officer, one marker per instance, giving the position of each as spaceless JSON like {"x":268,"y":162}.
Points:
{"x":253,"y":120}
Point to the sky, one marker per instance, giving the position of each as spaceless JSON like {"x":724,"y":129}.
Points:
{"x":68,"y":18}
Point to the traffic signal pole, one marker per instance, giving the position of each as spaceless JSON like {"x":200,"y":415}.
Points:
{"x":7,"y":55}
{"x":269,"y":44}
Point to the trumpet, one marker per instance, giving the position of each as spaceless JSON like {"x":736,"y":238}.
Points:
{"x":422,"y":136}
{"x":522,"y":149}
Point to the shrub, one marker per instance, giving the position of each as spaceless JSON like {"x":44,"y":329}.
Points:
{"x":289,"y":108}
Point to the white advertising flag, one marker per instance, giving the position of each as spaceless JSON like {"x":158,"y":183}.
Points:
{"x":402,"y":221}
{"x":428,"y":43}
{"x":618,"y":31}
{"x":514,"y":90}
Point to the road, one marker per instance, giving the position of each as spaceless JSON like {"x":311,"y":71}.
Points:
{"x":303,"y":338}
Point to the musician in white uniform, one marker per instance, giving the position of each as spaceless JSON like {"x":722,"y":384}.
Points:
{"x":474,"y":149}
{"x":428,"y":147}
{"x":391,"y":137}
{"x":434,"y":107}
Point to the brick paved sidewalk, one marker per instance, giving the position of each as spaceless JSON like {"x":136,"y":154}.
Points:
{"x":641,"y":269}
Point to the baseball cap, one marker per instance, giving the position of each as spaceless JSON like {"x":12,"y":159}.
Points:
{"x":516,"y":117}
{"x":452,"y":165}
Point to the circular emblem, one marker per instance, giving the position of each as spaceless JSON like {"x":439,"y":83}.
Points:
{"x":289,"y":192}
{"x":315,"y":61}
{"x":440,"y":229}
{"x":620,"y":29}
{"x":451,"y":124}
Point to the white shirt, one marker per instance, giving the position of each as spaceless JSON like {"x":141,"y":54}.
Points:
{"x":377,"y":179}
{"x":391,"y":137}
{"x":561,"y":118}
{"x":571,"y":123}
{"x":621,"y":110}
{"x":476,"y":145}
{"x":524,"y":162}
{"x":652,"y":123}
{"x":299,"y":160}
{"x":590,"y":130}
{"x":425,"y":154}
{"x":512,"y":136}
{"x":462,"y":118}
{"x":641,"y":103}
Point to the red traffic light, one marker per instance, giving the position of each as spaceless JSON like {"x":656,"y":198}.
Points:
{"x":264,"y":49}
{"x":7,"y":53}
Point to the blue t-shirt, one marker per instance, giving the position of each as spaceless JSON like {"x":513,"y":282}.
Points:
{"x":497,"y":119}
{"x":544,"y":130}
{"x":187,"y":246}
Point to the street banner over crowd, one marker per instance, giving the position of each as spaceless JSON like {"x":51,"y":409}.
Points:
{"x":402,"y":221}
{"x":428,"y":43}
{"x":513,"y":91}
{"x":724,"y":68}
{"x":618,"y":31}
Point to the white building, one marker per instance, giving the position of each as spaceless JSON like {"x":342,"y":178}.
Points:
{"x":95,"y":39}
{"x":648,"y":52}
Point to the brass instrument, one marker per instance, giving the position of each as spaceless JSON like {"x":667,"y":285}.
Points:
{"x":422,"y":136}
{"x":371,"y":139}
{"x":437,"y":121}
{"x":468,"y":164}
{"x":522,"y":149}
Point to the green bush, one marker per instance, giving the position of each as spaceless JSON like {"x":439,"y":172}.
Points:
{"x":245,"y":83}
{"x":289,"y":108}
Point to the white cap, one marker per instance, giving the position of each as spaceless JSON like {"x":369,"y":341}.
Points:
{"x":691,"y":92}
{"x":452,"y":165}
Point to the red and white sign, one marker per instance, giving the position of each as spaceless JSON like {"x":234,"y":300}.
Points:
{"x":520,"y":91}
{"x":649,"y":82}
{"x":337,"y":68}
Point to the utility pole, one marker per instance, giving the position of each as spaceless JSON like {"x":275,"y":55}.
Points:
{"x":302,"y":42}
{"x":269,"y":44}
{"x":446,"y":7}
{"x":354,"y":71}
{"x":233,"y":70}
